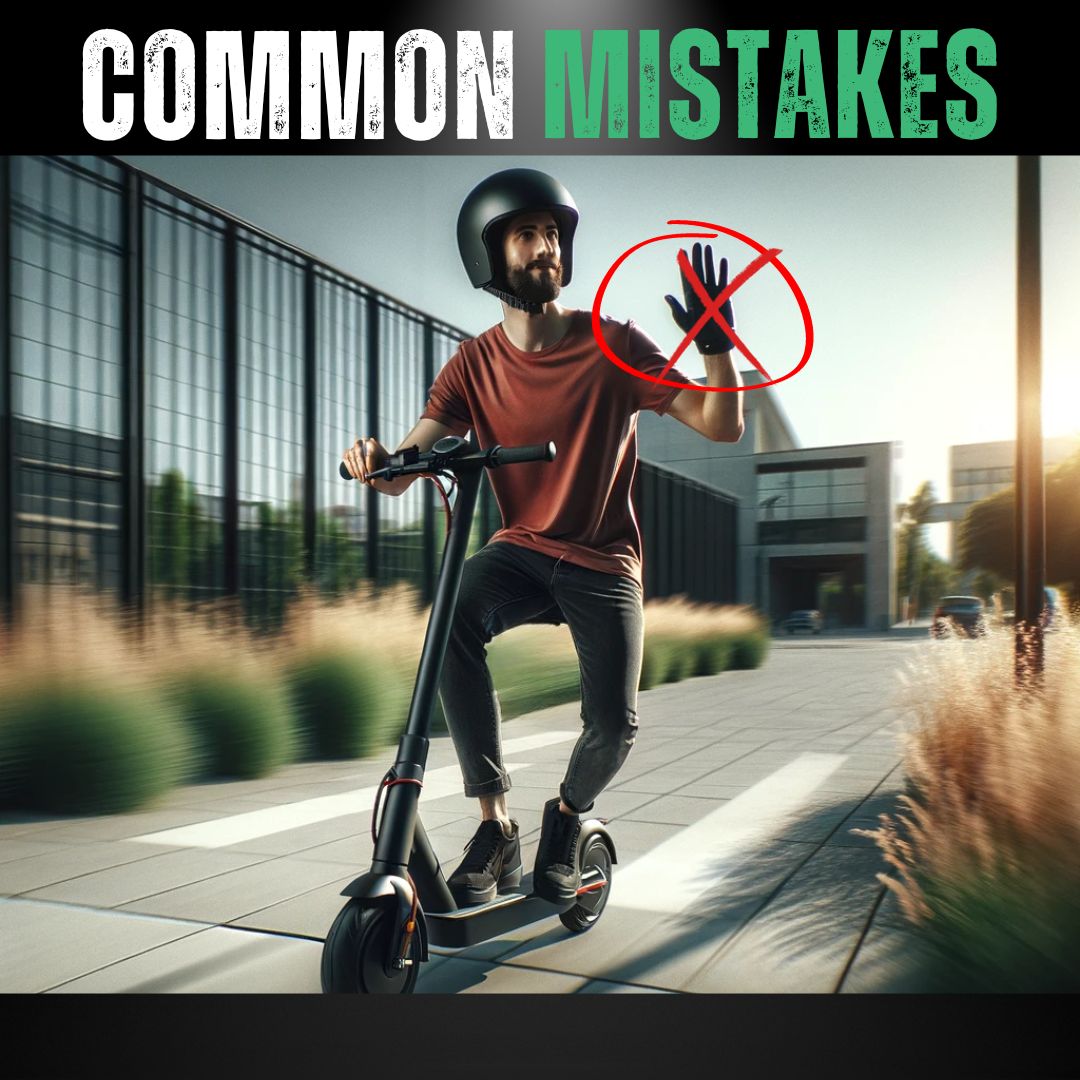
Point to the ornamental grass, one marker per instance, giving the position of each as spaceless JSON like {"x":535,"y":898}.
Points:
{"x":983,"y":851}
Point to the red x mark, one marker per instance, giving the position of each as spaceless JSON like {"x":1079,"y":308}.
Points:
{"x":712,"y":307}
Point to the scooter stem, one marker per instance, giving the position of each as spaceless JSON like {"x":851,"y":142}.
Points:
{"x":395,"y":839}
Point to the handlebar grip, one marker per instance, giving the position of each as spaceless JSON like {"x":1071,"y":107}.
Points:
{"x":376,"y":474}
{"x":512,"y":455}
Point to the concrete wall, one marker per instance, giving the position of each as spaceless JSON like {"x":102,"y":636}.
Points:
{"x":732,"y":468}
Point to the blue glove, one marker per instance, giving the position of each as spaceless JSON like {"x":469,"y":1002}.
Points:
{"x":711,"y":338}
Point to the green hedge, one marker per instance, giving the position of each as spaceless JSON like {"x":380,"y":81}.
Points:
{"x":347,"y":705}
{"x":656,"y":661}
{"x":1010,"y":930}
{"x":66,"y":748}
{"x":712,"y":655}
{"x":527,"y":681}
{"x":70,"y":749}
{"x":748,"y":650}
{"x":667,"y":658}
{"x":238,"y":727}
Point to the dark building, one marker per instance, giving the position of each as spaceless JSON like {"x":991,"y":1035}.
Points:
{"x":177,"y":387}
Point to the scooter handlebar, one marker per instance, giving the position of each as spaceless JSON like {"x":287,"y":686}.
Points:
{"x":410,"y":462}
{"x":512,"y":455}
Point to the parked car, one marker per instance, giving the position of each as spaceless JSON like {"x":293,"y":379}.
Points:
{"x":958,"y":615}
{"x":803,"y":620}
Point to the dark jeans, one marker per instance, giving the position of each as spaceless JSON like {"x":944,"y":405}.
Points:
{"x":505,"y":585}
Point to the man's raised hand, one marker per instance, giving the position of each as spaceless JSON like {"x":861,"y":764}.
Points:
{"x":711,"y":338}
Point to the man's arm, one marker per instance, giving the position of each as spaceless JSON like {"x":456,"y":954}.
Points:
{"x":425,"y":435}
{"x":718,"y":416}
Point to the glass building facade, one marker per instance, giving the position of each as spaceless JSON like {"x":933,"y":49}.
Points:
{"x":177,"y":391}
{"x":177,"y":388}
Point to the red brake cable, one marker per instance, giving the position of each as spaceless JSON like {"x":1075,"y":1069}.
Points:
{"x":389,"y":780}
{"x":445,"y":496}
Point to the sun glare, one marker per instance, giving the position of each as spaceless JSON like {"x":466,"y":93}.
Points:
{"x":1061,"y":402}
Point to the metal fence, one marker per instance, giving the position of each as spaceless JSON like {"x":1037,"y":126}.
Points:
{"x":688,"y":535}
{"x":176,"y":390}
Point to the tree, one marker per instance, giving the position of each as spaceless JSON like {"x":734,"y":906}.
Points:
{"x":185,"y":549}
{"x":987,"y":535}
{"x":921,"y":573}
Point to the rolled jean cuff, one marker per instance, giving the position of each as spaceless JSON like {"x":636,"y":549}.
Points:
{"x":576,"y":809}
{"x":488,"y":787}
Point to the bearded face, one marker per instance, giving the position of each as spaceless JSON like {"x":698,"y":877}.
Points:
{"x":539,"y":283}
{"x":532,"y":258}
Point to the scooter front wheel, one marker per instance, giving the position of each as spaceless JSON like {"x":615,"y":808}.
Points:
{"x":595,"y":869}
{"x":356,"y":956}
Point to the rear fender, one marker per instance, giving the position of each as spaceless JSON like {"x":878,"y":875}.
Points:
{"x":596,"y":827}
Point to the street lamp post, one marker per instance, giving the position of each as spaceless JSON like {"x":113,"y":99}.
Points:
{"x":1030,"y":510}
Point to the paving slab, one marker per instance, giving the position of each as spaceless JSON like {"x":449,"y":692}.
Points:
{"x":844,"y":837}
{"x":805,"y":936}
{"x":603,"y":986}
{"x":459,"y":975}
{"x":310,"y":914}
{"x":665,"y":779}
{"x":672,"y":810}
{"x":15,"y":848}
{"x":44,"y":944}
{"x":887,"y":963}
{"x":149,"y":876}
{"x":305,"y":839}
{"x":68,"y":861}
{"x":664,"y":950}
{"x":93,"y":830}
{"x":230,"y":896}
{"x":216,"y":960}
{"x":786,"y":898}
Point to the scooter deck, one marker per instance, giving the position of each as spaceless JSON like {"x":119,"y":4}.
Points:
{"x":479,"y":922}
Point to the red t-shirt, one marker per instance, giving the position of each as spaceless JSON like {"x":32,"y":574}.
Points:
{"x":577,"y":506}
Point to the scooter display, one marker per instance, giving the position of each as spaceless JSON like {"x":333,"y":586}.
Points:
{"x":402,"y":905}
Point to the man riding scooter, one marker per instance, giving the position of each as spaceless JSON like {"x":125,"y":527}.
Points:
{"x":569,"y":550}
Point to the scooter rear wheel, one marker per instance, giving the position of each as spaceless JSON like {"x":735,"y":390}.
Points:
{"x":596,"y":857}
{"x":356,"y":954}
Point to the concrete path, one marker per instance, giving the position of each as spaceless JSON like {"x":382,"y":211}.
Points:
{"x":737,"y":870}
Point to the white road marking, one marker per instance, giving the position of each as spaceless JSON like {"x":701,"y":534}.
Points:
{"x":237,"y":828}
{"x":676,"y":872}
{"x":535,"y":742}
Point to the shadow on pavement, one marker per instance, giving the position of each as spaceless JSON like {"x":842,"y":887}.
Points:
{"x":802,"y":899}
{"x":808,"y":893}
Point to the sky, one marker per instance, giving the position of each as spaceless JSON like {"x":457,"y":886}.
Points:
{"x":907,"y":264}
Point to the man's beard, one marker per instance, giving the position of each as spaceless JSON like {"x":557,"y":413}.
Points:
{"x":535,"y":290}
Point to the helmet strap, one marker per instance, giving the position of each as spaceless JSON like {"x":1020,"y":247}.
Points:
{"x":515,"y":302}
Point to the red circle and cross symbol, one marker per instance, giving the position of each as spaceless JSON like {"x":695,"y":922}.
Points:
{"x":712,"y":306}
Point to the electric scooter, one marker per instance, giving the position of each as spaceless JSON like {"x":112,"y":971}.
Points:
{"x":403,"y":905}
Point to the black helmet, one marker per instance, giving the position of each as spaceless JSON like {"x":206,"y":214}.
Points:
{"x":504,"y":195}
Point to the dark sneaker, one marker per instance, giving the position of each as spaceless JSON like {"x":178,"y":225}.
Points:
{"x":492,"y":862}
{"x":555,"y":875}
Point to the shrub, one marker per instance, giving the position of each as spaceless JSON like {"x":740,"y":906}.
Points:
{"x":984,"y":849}
{"x":682,"y":658}
{"x":534,"y":667}
{"x":344,"y":704}
{"x":683,"y":640}
{"x":656,"y":660}
{"x":712,"y":654}
{"x":239,"y":727}
{"x":748,"y":650}
{"x":85,"y":749}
